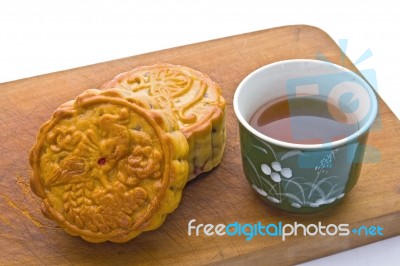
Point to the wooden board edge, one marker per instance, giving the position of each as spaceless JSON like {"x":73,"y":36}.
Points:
{"x":295,"y":253}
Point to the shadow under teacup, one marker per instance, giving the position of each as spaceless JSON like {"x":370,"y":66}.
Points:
{"x":298,"y":174}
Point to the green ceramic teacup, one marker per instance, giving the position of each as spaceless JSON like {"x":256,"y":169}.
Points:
{"x":303,"y":178}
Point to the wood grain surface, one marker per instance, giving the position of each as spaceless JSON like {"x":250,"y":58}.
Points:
{"x":220,"y":196}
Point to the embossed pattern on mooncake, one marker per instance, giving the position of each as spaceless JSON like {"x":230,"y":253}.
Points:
{"x":195,"y":100}
{"x":108,"y":167}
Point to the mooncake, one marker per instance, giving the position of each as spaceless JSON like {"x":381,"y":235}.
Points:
{"x":194,"y":99}
{"x":109,"y":165}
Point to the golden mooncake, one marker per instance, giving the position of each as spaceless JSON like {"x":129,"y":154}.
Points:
{"x":195,"y":100}
{"x":108,"y":166}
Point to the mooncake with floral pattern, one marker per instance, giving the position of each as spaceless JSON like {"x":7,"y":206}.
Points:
{"x":109,"y":165}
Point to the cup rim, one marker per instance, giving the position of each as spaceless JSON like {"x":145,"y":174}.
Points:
{"x":336,"y":143}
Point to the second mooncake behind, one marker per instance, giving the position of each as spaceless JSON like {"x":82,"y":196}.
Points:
{"x":195,"y":100}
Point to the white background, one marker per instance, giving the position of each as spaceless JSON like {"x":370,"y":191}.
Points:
{"x":38,"y":37}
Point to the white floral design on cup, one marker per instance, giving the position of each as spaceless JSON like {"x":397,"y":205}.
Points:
{"x":278,"y":171}
{"x":272,"y":180}
{"x":259,"y":190}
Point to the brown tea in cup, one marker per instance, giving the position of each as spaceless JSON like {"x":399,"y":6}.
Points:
{"x":304,"y":120}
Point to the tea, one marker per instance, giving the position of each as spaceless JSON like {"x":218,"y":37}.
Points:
{"x":303,"y":120}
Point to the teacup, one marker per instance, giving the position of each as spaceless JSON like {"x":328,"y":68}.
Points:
{"x":296,"y":177}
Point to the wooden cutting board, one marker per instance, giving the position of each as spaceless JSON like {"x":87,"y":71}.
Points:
{"x":221,"y":196}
